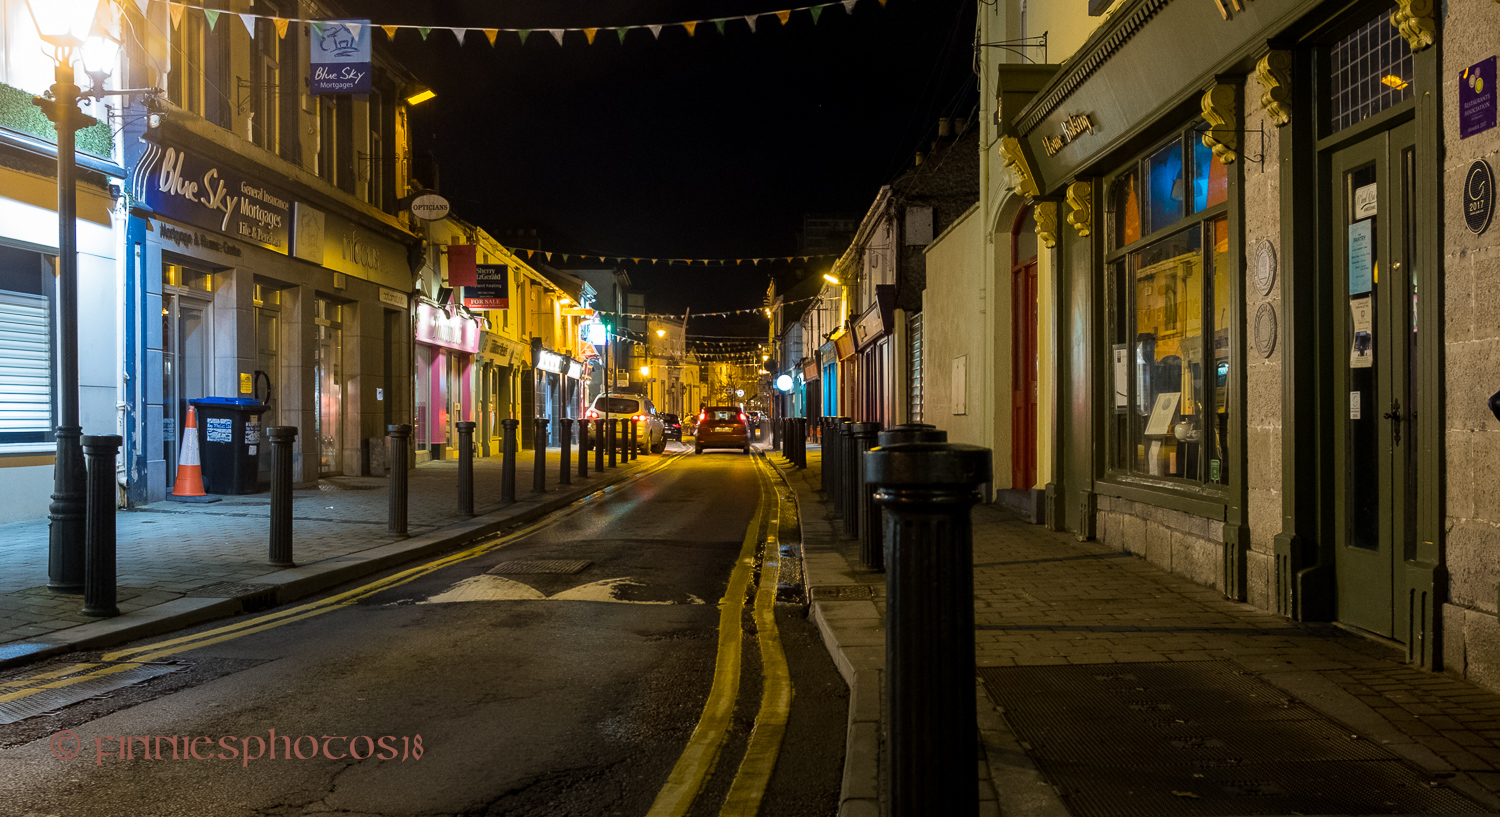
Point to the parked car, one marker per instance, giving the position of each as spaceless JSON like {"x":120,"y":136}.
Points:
{"x":650,"y":432}
{"x":671,"y":426}
{"x":722,"y":427}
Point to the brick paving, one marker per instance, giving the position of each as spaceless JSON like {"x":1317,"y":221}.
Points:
{"x":169,"y":548}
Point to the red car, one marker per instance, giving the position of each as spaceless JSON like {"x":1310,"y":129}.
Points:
{"x":722,"y":427}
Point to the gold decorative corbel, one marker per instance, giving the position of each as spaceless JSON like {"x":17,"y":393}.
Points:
{"x":1413,"y":18}
{"x":1275,"y":73}
{"x":1045,"y":213}
{"x":1223,"y":122}
{"x":1080,"y":207}
{"x":1015,"y":159}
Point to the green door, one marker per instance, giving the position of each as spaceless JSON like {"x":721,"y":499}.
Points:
{"x":1374,"y":314}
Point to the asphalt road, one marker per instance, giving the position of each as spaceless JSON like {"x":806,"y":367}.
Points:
{"x":532,"y":693}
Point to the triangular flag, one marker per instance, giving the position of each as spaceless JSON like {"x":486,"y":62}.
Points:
{"x":719,"y":24}
{"x":817,"y":11}
{"x":317,"y":29}
{"x":738,"y":261}
{"x":459,"y":33}
{"x":784,"y":15}
{"x":175,"y":13}
{"x":212,"y":17}
{"x":143,"y":4}
{"x":390,"y":32}
{"x":282,"y":25}
{"x":882,"y":2}
{"x":849,"y":6}
{"x":789,"y":258}
{"x":548,"y":254}
{"x":424,"y":32}
{"x":523,"y":33}
{"x":755,"y":262}
{"x":354,"y":28}
{"x":589,"y":33}
{"x":635,"y":260}
{"x":529,"y":252}
{"x":249,"y":21}
{"x":557,"y":34}
{"x":491,"y":33}
{"x":751,"y":21}
{"x":621,"y":32}
{"x":565,"y":256}
{"x":691,"y":26}
{"x":655,"y":31}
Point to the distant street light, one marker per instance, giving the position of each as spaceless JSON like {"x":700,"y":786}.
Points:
{"x":661,"y":333}
{"x":645,"y":371}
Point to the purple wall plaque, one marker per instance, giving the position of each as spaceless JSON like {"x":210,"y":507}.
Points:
{"x":1476,"y":98}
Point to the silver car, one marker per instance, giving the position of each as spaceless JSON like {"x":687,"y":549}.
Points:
{"x":651,"y":432}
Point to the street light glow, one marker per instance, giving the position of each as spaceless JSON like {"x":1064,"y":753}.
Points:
{"x":420,"y":96}
{"x":63,"y":23}
{"x":661,"y":333}
{"x":830,"y":279}
{"x":645,"y":371}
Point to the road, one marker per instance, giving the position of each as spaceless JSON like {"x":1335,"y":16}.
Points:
{"x":624,"y":688}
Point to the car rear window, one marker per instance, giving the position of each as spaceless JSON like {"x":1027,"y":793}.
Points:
{"x":723,"y":414}
{"x":617,"y":405}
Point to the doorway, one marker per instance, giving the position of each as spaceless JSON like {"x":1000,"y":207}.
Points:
{"x":328,"y":381}
{"x":1375,"y":427}
{"x":187,"y":352}
{"x":1024,"y":363}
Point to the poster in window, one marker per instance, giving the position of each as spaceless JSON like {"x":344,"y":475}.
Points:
{"x":1162,"y":413}
{"x":1361,"y":257}
{"x":1362,"y":347}
{"x":340,"y":57}
{"x":1122,"y":374}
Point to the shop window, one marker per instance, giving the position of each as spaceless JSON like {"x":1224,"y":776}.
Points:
{"x":176,"y":275}
{"x":1168,"y":315}
{"x":1369,"y":70}
{"x":26,"y":406}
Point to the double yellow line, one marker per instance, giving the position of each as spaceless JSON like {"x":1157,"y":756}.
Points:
{"x":698,"y":759}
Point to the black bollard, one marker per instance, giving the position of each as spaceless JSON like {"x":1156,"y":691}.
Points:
{"x":599,"y":443}
{"x":465,"y":467}
{"x":614,"y":431}
{"x":874,"y":549}
{"x":99,"y":525}
{"x":565,"y":439}
{"x":400,"y":439}
{"x":508,"y":460}
{"x":635,"y":443}
{"x":281,"y":494}
{"x":539,"y":473}
{"x":846,"y":465}
{"x":823,"y":452}
{"x":835,"y":465}
{"x":926,"y":491}
{"x":858,"y":499}
{"x":583,"y":448}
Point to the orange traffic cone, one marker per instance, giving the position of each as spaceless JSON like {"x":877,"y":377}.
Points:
{"x":189,"y":486}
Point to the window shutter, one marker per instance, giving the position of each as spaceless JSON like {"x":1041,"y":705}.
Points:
{"x":25,"y":366}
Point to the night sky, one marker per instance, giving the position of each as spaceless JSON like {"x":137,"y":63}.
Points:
{"x":706,"y":147}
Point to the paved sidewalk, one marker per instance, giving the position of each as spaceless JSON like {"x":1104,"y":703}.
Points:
{"x":1048,"y":608}
{"x":170,"y":554}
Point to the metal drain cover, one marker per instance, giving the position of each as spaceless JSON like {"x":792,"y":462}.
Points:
{"x":227,"y":590}
{"x":563,"y":566}
{"x":51,"y":700}
{"x":843,"y":592}
{"x":1199,"y":738}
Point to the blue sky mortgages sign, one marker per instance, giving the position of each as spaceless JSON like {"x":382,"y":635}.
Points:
{"x":340,"y":58}
{"x":188,"y":188}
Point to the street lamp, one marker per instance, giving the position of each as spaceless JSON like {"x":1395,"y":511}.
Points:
{"x":66,"y":26}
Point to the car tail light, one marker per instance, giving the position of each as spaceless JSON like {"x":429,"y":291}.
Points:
{"x":638,"y":418}
{"x":742,"y":417}
{"x":703,"y":416}
{"x":593,"y":415}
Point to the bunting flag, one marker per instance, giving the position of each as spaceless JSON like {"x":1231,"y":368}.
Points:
{"x":849,"y":6}
{"x":175,"y":12}
{"x":691,"y":26}
{"x":317,"y":29}
{"x":459,"y":33}
{"x":143,"y":5}
{"x":751,"y":21}
{"x":390,"y":31}
{"x":655,"y":31}
{"x":589,"y":33}
{"x":249,"y":21}
{"x":557,"y":34}
{"x":491,"y":33}
{"x":719,"y":24}
{"x":726,"y":313}
{"x":783,"y":16}
{"x":212,"y":17}
{"x":636,"y":259}
{"x":355,"y":27}
{"x":523,"y":33}
{"x":281,"y":27}
{"x":817,"y":11}
{"x":621,"y":31}
{"x":424,"y":32}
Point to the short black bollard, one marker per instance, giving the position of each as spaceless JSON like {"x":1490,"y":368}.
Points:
{"x":859,"y":499}
{"x":281,"y":494}
{"x":874,"y":549}
{"x":926,"y":491}
{"x":565,"y":440}
{"x":396,"y":517}
{"x":99,"y":529}
{"x":539,"y":473}
{"x":599,"y":443}
{"x":583,"y":448}
{"x":824,"y":453}
{"x":465,"y":467}
{"x":799,"y":442}
{"x":508,"y":460}
{"x":635,"y":442}
{"x":614,"y":432}
{"x":838,"y":438}
{"x":848,"y":462}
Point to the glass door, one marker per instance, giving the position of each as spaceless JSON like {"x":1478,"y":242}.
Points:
{"x":1374,"y":428}
{"x":187,"y":354}
{"x":328,"y":355}
{"x":267,"y":365}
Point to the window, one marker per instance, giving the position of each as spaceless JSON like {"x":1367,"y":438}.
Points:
{"x":26,"y":407}
{"x":185,"y":82}
{"x":1369,"y":70}
{"x":265,"y":90}
{"x":1169,"y":298}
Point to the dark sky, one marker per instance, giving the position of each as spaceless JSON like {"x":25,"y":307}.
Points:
{"x":706,"y":147}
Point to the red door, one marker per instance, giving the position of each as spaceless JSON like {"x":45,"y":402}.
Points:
{"x":1023,"y":374}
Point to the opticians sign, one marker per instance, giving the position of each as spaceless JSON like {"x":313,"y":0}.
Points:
{"x":185,"y":187}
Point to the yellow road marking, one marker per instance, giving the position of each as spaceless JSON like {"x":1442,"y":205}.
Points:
{"x":702,"y":751}
{"x":138,"y":655}
{"x":42,"y":676}
{"x":750,"y":782}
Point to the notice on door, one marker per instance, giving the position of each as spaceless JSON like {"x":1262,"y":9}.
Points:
{"x":1361,"y":257}
{"x":1362,"y":347}
{"x":1354,"y":405}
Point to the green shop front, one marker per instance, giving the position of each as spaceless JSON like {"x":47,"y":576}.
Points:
{"x":1249,"y":244}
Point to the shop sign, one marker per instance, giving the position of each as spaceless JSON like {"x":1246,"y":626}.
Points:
{"x":869,"y":326}
{"x":430,"y":207}
{"x":340,"y":58}
{"x":1476,"y":98}
{"x":579,"y":311}
{"x":491,"y":289}
{"x":188,"y":239}
{"x":1479,"y":197}
{"x":352,"y":249}
{"x":307,"y":237}
{"x":1072,"y":127}
{"x":575,"y":369}
{"x":843,"y":344}
{"x":549,"y":361}
{"x":438,"y":328}
{"x":184,"y":187}
{"x":810,"y":372}
{"x":391,"y":297}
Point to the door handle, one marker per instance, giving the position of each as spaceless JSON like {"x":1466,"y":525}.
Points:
{"x":1394,"y":415}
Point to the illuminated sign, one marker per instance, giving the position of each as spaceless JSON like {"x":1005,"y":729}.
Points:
{"x":551,"y":361}
{"x":436,"y":327}
{"x":784,"y":382}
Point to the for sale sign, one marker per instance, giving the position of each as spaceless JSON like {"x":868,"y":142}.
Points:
{"x":492,"y":290}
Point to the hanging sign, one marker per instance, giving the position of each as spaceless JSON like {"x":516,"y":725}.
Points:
{"x":1476,"y":98}
{"x":430,"y":207}
{"x":491,"y":289}
{"x":340,"y":58}
{"x":1479,"y":197}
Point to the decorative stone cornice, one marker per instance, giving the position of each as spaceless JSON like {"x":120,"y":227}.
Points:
{"x":1274,"y":71}
{"x":1223,"y":133}
{"x":1080,"y":207}
{"x":1014,"y":157}
{"x":1045,"y":213}
{"x":1413,"y":18}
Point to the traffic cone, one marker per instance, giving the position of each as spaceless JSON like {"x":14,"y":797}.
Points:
{"x":189,"y":486}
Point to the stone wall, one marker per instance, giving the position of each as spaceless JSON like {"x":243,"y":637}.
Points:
{"x":1471,"y":338}
{"x":1190,"y":546}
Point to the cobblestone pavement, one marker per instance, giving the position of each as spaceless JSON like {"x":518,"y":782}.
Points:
{"x":167,"y":549}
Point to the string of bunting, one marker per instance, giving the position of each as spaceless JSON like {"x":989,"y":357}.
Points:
{"x":784,"y":16}
{"x":707,"y":262}
{"x":749,"y":357}
{"x":760,"y":309}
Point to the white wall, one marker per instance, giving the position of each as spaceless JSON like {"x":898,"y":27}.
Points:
{"x":953,"y":316}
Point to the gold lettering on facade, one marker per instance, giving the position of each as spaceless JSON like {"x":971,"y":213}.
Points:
{"x":1072,"y":127}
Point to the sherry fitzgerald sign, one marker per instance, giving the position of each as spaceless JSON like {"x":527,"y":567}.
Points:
{"x":186,"y":187}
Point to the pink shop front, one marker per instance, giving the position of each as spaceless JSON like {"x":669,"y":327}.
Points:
{"x":447,"y":342}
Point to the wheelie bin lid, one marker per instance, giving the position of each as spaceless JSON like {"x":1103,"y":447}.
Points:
{"x":243,"y":403}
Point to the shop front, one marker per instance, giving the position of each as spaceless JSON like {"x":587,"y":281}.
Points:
{"x":872,"y":341}
{"x":560,"y":386}
{"x":502,"y":361}
{"x":447,"y":342}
